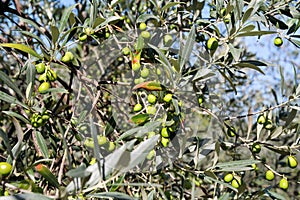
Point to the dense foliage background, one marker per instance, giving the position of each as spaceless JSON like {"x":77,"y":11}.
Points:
{"x":149,"y":99}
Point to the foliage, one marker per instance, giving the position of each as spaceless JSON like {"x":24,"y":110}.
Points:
{"x":71,"y":78}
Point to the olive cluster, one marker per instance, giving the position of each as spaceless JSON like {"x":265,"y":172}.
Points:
{"x":46,"y":75}
{"x":37,"y":119}
{"x":267,"y":123}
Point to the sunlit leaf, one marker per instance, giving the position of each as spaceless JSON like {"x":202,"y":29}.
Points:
{"x":21,"y":47}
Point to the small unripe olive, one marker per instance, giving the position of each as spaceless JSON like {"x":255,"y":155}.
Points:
{"x":151,"y":154}
{"x":101,"y":140}
{"x":51,"y":75}
{"x":261,"y":119}
{"x":168,"y":39}
{"x":145,"y":72}
{"x":137,"y":107}
{"x":268,"y":124}
{"x":168,"y":98}
{"x":145,"y":34}
{"x":40,"y":68}
{"x":151,"y":98}
{"x":151,"y":110}
{"x":142,"y":26}
{"x":212,"y":43}
{"x":165,"y":141}
{"x":292,"y":161}
{"x":111,"y":146}
{"x":270,"y":175}
{"x":231,"y":131}
{"x":283,"y":183}
{"x":278,"y":41}
{"x":228,"y":178}
{"x":42,"y":78}
{"x":256,"y":148}
{"x":43,"y":87}
{"x":5,"y":168}
{"x":164,"y":132}
{"x":126,"y":51}
{"x":68,"y":57}
{"x":236,"y":183}
{"x":82,"y":37}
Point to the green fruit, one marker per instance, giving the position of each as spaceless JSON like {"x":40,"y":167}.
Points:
{"x":145,"y":72}
{"x":270,"y":175}
{"x":168,"y":40}
{"x":142,"y":26}
{"x":228,"y":178}
{"x":137,"y":107}
{"x":101,"y":140}
{"x":126,"y":51}
{"x":168,"y":98}
{"x":42,"y":78}
{"x":51,"y":75}
{"x":158,"y":72}
{"x":68,"y":57}
{"x":151,"y":98}
{"x":107,"y":34}
{"x":268,"y":124}
{"x":40,"y":68}
{"x":165,"y":141}
{"x":145,"y":34}
{"x":43,"y":87}
{"x":89,"y":31}
{"x":151,"y":110}
{"x":261,"y":119}
{"x":212,"y":43}
{"x":236,"y":183}
{"x":256,"y":148}
{"x":227,"y":18}
{"x":292,"y":161}
{"x":111,"y":146}
{"x":284,"y":184}
{"x":151,"y":134}
{"x":231,"y":131}
{"x":278,"y":41}
{"x":223,"y":12}
{"x":136,"y":66}
{"x":200,"y":100}
{"x":254,"y":166}
{"x":151,"y":154}
{"x":82,"y":37}
{"x":164,"y":132}
{"x":5,"y":168}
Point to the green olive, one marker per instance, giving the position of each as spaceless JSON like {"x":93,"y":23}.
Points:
{"x":231,"y":131}
{"x":143,"y":26}
{"x":268,"y":124}
{"x":168,"y":40}
{"x":126,"y":51}
{"x":145,"y":34}
{"x":5,"y":168}
{"x":101,"y":140}
{"x":137,"y":107}
{"x":278,"y":41}
{"x":82,"y":37}
{"x":256,"y":148}
{"x":283,"y":183}
{"x":261,"y":119}
{"x":292,"y":161}
{"x":51,"y":75}
{"x":40,"y":68}
{"x":236,"y":183}
{"x":44,"y":87}
{"x":212,"y":43}
{"x":151,"y":110}
{"x":228,"y":178}
{"x":270,"y":175}
{"x":68,"y":57}
{"x":165,"y":141}
{"x":111,"y":146}
{"x":145,"y":72}
{"x":151,"y":154}
{"x":151,"y":98}
{"x":42,"y":77}
{"x":168,"y":98}
{"x":164,"y":132}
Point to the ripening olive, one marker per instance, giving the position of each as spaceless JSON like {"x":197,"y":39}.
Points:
{"x":212,"y":43}
{"x":292,"y":161}
{"x":270,"y":175}
{"x":5,"y":168}
{"x":283,"y":183}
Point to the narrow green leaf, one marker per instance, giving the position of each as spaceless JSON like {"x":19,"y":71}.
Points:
{"x":186,"y":49}
{"x":47,"y":174}
{"x":30,"y":78}
{"x":27,"y":195}
{"x":79,"y":172}
{"x":170,"y":4}
{"x":140,"y":118}
{"x":228,"y":79}
{"x":23,"y":48}
{"x":65,"y":18}
{"x":98,"y":21}
{"x":203,"y":75}
{"x":26,"y":33}
{"x":6,"y":142}
{"x":114,"y":195}
{"x":247,"y":28}
{"x":255,"y":33}
{"x":20,"y":135}
{"x":236,"y":164}
{"x":145,"y":17}
{"x":13,"y":114}
{"x":42,"y":144}
{"x":10,"y":99}
{"x":6,"y":79}
{"x":247,"y":15}
{"x":55,"y":33}
{"x":292,"y":115}
{"x":249,"y":65}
